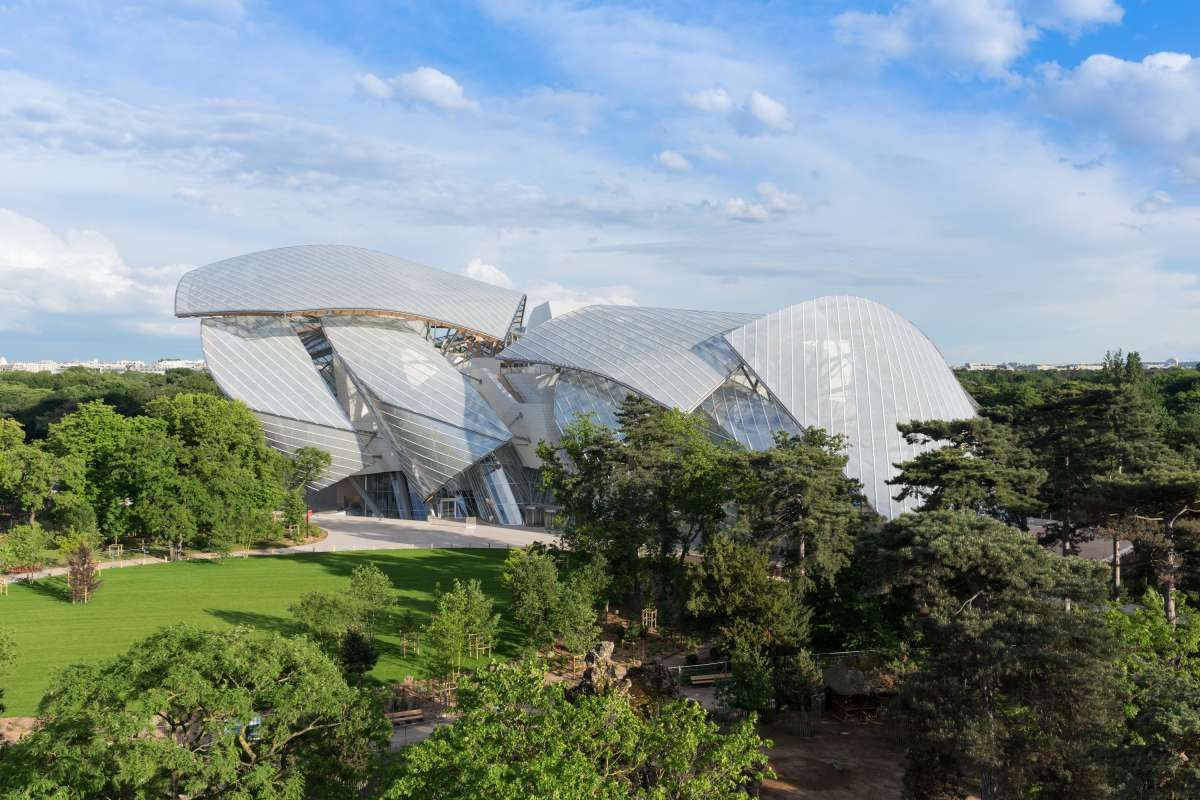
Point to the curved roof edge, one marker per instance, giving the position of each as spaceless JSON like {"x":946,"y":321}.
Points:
{"x":675,"y":357}
{"x":331,"y":279}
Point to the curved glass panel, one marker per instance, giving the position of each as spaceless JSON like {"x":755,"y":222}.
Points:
{"x":747,"y":417}
{"x":404,"y":370}
{"x":856,"y":368}
{"x":672,"y":356}
{"x":314,"y":277}
{"x":347,"y":449}
{"x":582,"y":393}
{"x":263,"y":363}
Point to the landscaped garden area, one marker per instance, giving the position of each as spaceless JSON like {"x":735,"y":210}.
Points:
{"x":51,"y":632}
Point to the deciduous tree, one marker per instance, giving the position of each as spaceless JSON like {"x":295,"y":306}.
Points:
{"x":518,"y":738}
{"x":199,"y":714}
{"x":461,"y":613}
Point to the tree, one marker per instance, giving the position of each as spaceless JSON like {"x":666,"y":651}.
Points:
{"x":978,"y":466}
{"x":83,"y":577}
{"x":797,"y":679}
{"x":358,"y":653}
{"x":150,"y":492}
{"x":373,"y":597}
{"x":1162,"y":493}
{"x":751,"y":686}
{"x":518,"y":737}
{"x":30,"y":477}
{"x":675,"y":481}
{"x":1156,"y":757}
{"x":363,"y":608}
{"x":305,"y":467}
{"x":733,"y":594}
{"x":660,"y":483}
{"x":24,"y":546}
{"x":230,"y":478}
{"x":796,"y":495}
{"x":997,"y":704}
{"x":200,"y":714}
{"x":1082,"y":433}
{"x":325,"y":617}
{"x":532,"y":577}
{"x":1161,"y":758}
{"x":295,"y":511}
{"x":94,"y":434}
{"x":461,"y":613}
{"x":581,"y":472}
{"x":575,"y":620}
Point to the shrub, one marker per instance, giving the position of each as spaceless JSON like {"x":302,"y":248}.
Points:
{"x":23,"y":547}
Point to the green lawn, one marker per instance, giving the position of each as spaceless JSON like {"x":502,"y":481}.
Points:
{"x":135,"y":601}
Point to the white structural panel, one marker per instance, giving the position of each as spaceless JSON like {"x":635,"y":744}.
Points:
{"x":434,"y":452}
{"x":672,"y":356}
{"x":335,"y":277}
{"x":347,"y":449}
{"x":746,"y":416}
{"x":856,"y":368}
{"x":404,"y":370}
{"x":261,"y":361}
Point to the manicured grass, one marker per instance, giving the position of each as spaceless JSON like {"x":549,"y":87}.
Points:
{"x":135,"y":601}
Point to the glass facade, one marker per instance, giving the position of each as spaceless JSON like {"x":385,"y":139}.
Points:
{"x":386,"y":365}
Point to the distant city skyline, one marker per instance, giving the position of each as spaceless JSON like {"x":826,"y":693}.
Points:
{"x":1018,"y":179}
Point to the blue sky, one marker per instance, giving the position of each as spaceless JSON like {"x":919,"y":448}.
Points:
{"x":1019,"y":178}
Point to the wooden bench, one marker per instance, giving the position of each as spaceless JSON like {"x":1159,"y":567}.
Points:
{"x":709,"y":679}
{"x":407,"y":717}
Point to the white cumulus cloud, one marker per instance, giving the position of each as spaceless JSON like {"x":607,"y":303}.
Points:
{"x":424,"y":84}
{"x":1073,"y":16}
{"x":768,"y":111}
{"x":488,"y":273}
{"x":713,"y":101}
{"x":80,"y":272}
{"x":972,"y":37}
{"x":1155,"y":201}
{"x":738,"y":210}
{"x":1153,"y":103}
{"x":673,"y":161}
{"x":778,"y":200}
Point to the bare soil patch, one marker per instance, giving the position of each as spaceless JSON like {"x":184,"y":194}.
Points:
{"x":842,"y":761}
{"x":13,"y":728}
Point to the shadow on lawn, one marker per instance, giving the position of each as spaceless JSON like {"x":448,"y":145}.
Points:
{"x":54,"y":588}
{"x":253,"y":619}
{"x":463,"y":563}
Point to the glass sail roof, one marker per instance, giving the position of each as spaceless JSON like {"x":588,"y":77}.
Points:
{"x":262,"y":362}
{"x":674,"y":357}
{"x":336,"y":277}
{"x":856,"y":368}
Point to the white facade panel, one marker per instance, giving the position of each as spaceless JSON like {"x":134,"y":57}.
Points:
{"x":347,"y":449}
{"x":404,"y":370}
{"x":855,"y":368}
{"x":261,"y":361}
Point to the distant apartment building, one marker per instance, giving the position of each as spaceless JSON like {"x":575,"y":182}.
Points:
{"x":158,"y":367}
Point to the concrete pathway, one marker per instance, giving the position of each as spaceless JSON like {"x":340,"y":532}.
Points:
{"x":355,"y":533}
{"x":369,"y":533}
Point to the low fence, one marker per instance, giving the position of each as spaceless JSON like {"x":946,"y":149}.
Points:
{"x":679,"y":671}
